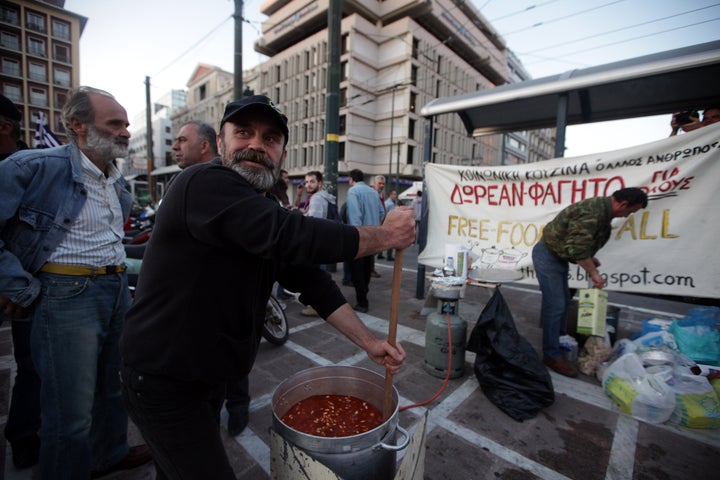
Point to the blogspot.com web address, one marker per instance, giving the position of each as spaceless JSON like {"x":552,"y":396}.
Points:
{"x":642,"y":277}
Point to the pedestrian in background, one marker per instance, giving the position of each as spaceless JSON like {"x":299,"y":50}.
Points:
{"x":363,"y":209}
{"x":390,"y":205}
{"x":196,"y":323}
{"x":23,"y":418}
{"x":62,"y":212}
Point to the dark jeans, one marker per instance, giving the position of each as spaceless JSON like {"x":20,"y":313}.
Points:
{"x":361,"y":269}
{"x":180,"y":421}
{"x":552,"y":275}
{"x":24,"y":416}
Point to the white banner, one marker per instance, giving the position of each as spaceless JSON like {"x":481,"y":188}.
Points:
{"x":669,"y":248}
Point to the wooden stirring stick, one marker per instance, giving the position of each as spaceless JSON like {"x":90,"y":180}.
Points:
{"x":392,"y":330}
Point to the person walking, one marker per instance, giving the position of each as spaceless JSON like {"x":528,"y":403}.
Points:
{"x":363,"y":209}
{"x":62,"y":265}
{"x":318,"y":208}
{"x":196,"y":323}
{"x":574,"y":236}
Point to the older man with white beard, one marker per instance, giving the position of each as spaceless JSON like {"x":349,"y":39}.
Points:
{"x":215,"y":252}
{"x":62,"y":268}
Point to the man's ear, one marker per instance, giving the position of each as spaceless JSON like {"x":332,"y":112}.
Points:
{"x":77,"y":126}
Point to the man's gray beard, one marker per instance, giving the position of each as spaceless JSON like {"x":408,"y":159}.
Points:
{"x":259,"y":178}
{"x":104,"y":148}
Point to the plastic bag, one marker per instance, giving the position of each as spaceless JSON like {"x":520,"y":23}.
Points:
{"x":595,"y":351}
{"x":636,"y":392}
{"x":698,"y":338}
{"x":697,"y":403}
{"x":509,"y":371}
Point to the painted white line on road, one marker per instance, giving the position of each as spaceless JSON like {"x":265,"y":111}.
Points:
{"x":622,"y":452}
{"x":510,"y":456}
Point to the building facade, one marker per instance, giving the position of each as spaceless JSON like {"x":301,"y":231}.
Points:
{"x":39,"y":59}
{"x":396,"y":56}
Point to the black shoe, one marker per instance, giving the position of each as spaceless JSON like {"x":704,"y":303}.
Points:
{"x":361,"y":308}
{"x":137,"y":455}
{"x":237,"y":421}
{"x":25,"y":451}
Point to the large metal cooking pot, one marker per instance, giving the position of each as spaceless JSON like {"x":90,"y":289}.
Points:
{"x":358,"y":457}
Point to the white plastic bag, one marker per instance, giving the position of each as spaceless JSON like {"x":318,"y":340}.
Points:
{"x":638,"y":393}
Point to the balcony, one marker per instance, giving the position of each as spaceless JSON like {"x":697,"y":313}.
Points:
{"x":36,"y":28}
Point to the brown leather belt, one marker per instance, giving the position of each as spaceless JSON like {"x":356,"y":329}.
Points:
{"x":80,"y":270}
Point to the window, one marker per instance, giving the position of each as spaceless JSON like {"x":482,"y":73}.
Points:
{"x":344,"y":71}
{"x":10,"y":15}
{"x":9,"y":41}
{"x":415,"y":47}
{"x":36,"y":47}
{"x":37,"y":72}
{"x":12,"y":92}
{"x":38,"y":96}
{"x":60,"y":29}
{"x":60,"y":98}
{"x":410,"y":155}
{"x":413,"y":75}
{"x":201,"y":92}
{"x":411,"y":128}
{"x":341,"y":125}
{"x":341,"y":151}
{"x":61,"y":53}
{"x":62,"y":77}
{"x":413,"y":101}
{"x":11,"y":67}
{"x":343,"y":97}
{"x":344,"y":43}
{"x":59,"y":126}
{"x":35,"y":22}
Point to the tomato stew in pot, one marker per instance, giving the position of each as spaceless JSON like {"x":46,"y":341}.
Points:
{"x":333,"y":416}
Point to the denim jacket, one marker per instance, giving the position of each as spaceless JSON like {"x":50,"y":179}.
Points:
{"x":41,"y":195}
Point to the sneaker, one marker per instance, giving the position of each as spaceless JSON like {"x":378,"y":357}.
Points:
{"x":374,"y":274}
{"x":361,"y":308}
{"x":308,"y":312}
{"x":561,"y":366}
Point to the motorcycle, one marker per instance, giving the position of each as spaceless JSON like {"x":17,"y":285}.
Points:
{"x":275,"y":328}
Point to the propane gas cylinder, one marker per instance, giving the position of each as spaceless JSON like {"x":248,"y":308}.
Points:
{"x":437,"y":342}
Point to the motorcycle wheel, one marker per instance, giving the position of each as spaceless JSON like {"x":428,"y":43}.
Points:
{"x":275,"y":329}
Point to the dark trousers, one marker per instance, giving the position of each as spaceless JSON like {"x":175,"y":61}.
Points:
{"x":180,"y":421}
{"x":238,"y":395}
{"x":24,"y":415}
{"x":361,"y":269}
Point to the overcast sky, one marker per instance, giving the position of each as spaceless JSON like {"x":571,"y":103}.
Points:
{"x":125,"y":41}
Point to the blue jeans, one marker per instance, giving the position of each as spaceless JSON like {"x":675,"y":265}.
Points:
{"x":552,"y":275}
{"x":76,"y":328}
{"x":180,"y":421}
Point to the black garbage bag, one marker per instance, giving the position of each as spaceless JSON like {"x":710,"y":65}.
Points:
{"x":510,"y":373}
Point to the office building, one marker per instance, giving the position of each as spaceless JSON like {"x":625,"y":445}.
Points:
{"x":39,"y":59}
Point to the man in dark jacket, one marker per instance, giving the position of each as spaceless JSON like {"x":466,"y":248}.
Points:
{"x":216,"y":250}
{"x":574,"y":236}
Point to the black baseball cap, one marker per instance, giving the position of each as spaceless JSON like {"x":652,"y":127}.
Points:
{"x":233,"y":109}
{"x":8,"y":109}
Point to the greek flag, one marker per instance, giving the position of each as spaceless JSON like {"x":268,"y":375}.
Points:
{"x":44,"y":137}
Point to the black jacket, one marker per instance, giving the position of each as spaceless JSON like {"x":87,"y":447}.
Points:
{"x":215,"y":251}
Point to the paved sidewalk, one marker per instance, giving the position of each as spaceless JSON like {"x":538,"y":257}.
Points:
{"x":581,"y":436}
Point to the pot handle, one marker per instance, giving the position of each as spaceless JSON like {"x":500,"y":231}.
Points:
{"x":395,"y":448}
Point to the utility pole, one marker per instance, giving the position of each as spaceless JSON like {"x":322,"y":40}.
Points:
{"x":332,"y":114}
{"x":238,"y":16}
{"x":148,"y":127}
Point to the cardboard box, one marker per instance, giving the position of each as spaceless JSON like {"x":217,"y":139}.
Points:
{"x":592,"y":311}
